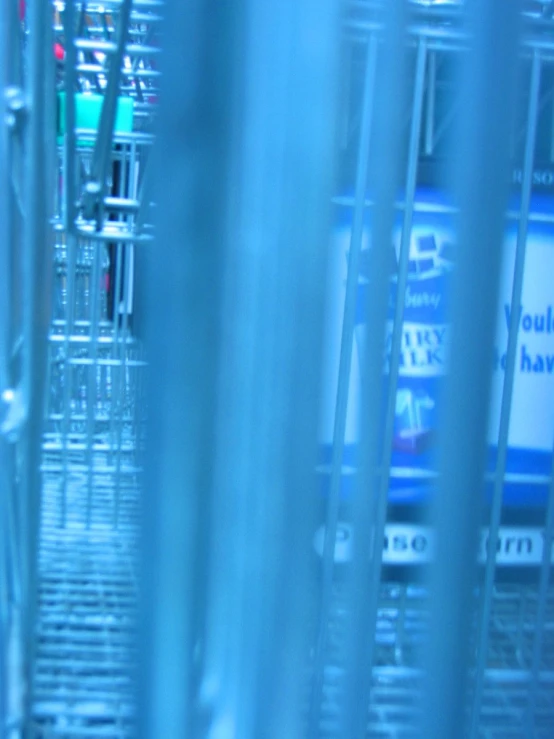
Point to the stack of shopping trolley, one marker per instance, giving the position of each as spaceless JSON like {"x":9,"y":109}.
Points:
{"x":69,"y":545}
{"x":87,"y":580}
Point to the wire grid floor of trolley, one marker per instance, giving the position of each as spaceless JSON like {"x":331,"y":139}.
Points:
{"x":87,"y":575}
{"x":86,"y":640}
{"x":397,"y":678}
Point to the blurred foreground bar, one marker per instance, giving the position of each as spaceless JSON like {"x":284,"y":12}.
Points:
{"x":234,"y":328}
{"x":487,"y":76}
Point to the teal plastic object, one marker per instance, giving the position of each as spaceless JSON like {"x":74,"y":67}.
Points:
{"x":88,"y":109}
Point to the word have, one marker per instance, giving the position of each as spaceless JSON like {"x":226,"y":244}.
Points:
{"x":529,"y":362}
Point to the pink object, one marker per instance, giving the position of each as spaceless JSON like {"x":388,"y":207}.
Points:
{"x":59,"y":52}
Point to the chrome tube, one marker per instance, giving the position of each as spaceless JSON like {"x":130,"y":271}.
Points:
{"x":488,"y":82}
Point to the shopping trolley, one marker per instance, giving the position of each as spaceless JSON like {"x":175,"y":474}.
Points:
{"x":375,"y":624}
{"x":514,"y":606}
{"x":240,"y":635}
{"x":78,"y":672}
{"x":83,"y":672}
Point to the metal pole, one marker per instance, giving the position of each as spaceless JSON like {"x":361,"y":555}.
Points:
{"x":243,"y":193}
{"x":10,"y":592}
{"x":264,"y":496}
{"x":5,"y":216}
{"x":345,"y":364}
{"x":182,"y":281}
{"x":37,"y":259}
{"x":507,"y":392}
{"x":69,"y":211}
{"x":379,"y":501}
{"x":483,"y":136}
{"x":385,"y":177}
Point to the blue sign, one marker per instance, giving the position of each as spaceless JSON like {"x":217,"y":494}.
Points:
{"x":424,"y":352}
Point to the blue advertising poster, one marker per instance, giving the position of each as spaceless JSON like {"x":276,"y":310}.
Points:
{"x":423,"y":362}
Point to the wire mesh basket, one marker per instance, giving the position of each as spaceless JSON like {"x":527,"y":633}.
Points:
{"x":511,"y":643}
{"x":265,"y":619}
{"x":82,"y":678}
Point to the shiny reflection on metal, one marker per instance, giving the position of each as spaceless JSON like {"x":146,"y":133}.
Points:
{"x":430,"y":107}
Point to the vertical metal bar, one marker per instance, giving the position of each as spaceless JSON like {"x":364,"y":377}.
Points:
{"x":403,"y":263}
{"x":91,"y":371}
{"x":12,"y":554}
{"x":182,"y":283}
{"x":146,"y":40}
{"x":297,"y":45}
{"x":552,"y":132}
{"x":345,"y":364}
{"x":486,"y":113}
{"x":120,"y":342}
{"x":116,"y":350}
{"x":5,"y":677}
{"x":84,"y":32}
{"x":12,"y":643}
{"x":371,"y":513}
{"x":507,"y":392}
{"x":144,"y":192}
{"x":69,"y":211}
{"x":5,"y":216}
{"x":37,"y":260}
{"x":70,"y":144}
{"x":123,"y":386}
{"x":6,"y":554}
{"x":257,"y":260}
{"x":540,"y":621}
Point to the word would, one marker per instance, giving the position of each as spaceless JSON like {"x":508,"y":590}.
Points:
{"x":538,"y":323}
